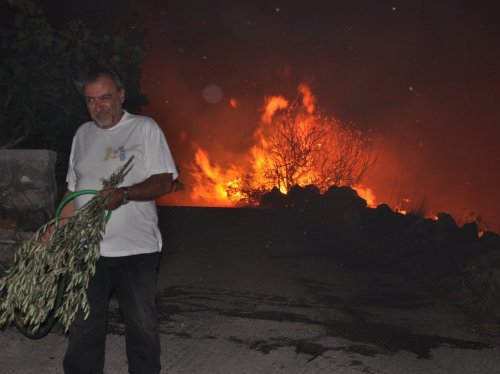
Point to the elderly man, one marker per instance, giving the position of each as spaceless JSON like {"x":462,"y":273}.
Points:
{"x":132,"y":242}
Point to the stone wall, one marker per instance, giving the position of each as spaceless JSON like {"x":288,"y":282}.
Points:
{"x":28,"y":193}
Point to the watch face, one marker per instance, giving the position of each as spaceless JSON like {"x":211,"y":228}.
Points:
{"x":125,"y":196}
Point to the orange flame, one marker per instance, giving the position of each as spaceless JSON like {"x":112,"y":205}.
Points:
{"x":367,"y":194}
{"x":212,"y":182}
{"x":308,"y":98}
{"x":216,"y":185}
{"x":273,"y":104}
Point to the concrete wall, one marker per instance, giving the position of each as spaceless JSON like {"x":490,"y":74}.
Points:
{"x":28,"y":193}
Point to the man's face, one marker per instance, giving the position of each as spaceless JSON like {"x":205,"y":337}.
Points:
{"x":104,"y":101}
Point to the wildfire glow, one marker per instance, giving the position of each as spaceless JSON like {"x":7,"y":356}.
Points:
{"x":304,"y":130}
{"x":308,"y":98}
{"x":213,"y":181}
{"x":273,"y":104}
{"x":367,"y":194}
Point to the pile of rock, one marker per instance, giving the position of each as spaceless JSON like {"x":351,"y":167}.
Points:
{"x":28,"y":193}
{"x":339,"y":223}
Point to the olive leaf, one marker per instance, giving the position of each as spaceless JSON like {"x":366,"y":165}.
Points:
{"x":62,"y":253}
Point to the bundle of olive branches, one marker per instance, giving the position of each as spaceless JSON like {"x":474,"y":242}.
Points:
{"x":61,"y":250}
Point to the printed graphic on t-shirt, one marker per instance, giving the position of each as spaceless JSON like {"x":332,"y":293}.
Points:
{"x":115,"y":153}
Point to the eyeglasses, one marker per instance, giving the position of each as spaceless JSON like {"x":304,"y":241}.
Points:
{"x":102,"y":99}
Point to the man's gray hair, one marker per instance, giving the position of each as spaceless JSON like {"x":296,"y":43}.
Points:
{"x":93,"y":74}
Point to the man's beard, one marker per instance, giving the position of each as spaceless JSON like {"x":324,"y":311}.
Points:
{"x":103,"y":123}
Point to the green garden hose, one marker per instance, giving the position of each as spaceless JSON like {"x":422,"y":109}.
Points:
{"x":71,"y":196}
{"x":45,"y":329}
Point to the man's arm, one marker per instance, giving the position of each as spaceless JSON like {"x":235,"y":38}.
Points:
{"x":68,"y":210}
{"x":149,"y":189}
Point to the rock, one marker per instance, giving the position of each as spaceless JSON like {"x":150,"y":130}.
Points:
{"x":28,"y":193}
{"x":339,"y":198}
{"x":302,"y":197}
{"x":470,"y":231}
{"x":445,"y":221}
{"x":272,"y":199}
{"x":490,"y":241}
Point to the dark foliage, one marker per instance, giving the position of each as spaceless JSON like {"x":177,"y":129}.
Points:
{"x":39,"y":104}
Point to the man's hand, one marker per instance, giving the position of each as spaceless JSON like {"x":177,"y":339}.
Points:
{"x":64,"y":217}
{"x":149,"y":189}
{"x":115,"y":197}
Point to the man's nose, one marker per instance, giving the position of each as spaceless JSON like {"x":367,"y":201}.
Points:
{"x":97,"y":105}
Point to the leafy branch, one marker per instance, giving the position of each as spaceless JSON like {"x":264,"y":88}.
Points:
{"x":62,"y":249}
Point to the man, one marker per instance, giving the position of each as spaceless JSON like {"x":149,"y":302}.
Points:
{"x":132,"y":241}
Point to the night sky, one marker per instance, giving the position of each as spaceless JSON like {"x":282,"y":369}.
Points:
{"x":422,"y":76}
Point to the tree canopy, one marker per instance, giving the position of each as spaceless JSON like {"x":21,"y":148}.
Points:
{"x":40,"y":106}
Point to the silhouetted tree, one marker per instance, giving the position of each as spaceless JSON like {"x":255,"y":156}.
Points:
{"x":312,"y":148}
{"x":300,"y":145}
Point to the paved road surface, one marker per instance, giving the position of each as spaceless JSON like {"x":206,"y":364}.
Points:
{"x":232,"y":301}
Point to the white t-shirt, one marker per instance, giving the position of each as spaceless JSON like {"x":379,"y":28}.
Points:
{"x":96,"y":153}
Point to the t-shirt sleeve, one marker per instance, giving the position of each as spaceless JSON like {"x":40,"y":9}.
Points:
{"x":158,"y":156}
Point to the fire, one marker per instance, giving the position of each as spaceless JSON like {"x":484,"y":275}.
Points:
{"x":367,"y":194}
{"x":213,"y":181}
{"x":308,"y":98}
{"x":295,"y":143}
{"x":273,"y":104}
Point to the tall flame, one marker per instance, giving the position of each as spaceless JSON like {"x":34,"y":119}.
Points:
{"x":302,"y":130}
{"x":212,"y":182}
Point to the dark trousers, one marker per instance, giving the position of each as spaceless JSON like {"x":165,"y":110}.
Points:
{"x":134,"y":280}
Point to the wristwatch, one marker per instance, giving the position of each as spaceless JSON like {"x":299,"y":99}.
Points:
{"x":125,"y":196}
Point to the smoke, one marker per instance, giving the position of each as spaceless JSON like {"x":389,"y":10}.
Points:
{"x":442,"y":153}
{"x":421,"y":76}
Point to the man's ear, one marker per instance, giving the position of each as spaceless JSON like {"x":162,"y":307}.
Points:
{"x":121,"y":94}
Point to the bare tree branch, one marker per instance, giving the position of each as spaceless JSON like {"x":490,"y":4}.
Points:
{"x":308,"y":147}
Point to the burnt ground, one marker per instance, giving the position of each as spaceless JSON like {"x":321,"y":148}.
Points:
{"x":266,"y":291}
